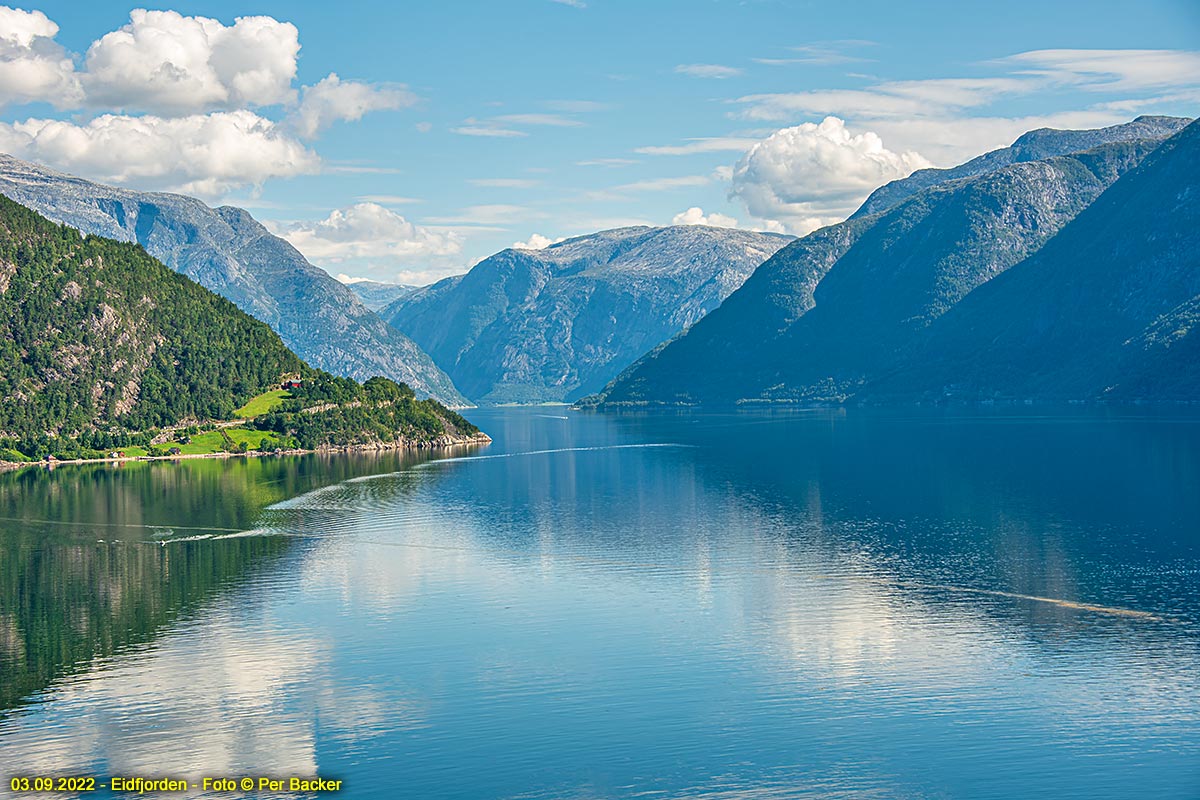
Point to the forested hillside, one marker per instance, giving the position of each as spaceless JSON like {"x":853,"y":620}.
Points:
{"x":96,"y":333}
{"x":228,"y":251}
{"x":101,"y":346}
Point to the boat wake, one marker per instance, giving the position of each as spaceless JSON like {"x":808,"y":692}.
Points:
{"x":1055,"y":601}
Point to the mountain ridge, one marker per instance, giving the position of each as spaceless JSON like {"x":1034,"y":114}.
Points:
{"x":102,"y":346}
{"x":1108,"y":310}
{"x":828,"y":313}
{"x":226,"y":250}
{"x":1035,"y":145}
{"x":557,"y":323}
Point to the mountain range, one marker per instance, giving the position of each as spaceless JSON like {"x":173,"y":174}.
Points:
{"x":1059,"y":268}
{"x":527,"y":326}
{"x":1109,"y":309}
{"x":1036,"y":145}
{"x":376,"y":295}
{"x":102,"y":345}
{"x":226,"y":250}
{"x":969,"y":282}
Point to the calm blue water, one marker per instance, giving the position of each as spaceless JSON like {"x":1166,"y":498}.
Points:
{"x":818,"y":604}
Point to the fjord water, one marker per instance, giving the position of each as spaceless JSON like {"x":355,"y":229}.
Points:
{"x":813,"y":604}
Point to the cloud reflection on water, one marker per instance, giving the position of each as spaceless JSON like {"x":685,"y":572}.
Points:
{"x":773,"y":623}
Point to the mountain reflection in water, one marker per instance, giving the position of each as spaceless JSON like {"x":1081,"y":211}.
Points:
{"x":767,"y":604}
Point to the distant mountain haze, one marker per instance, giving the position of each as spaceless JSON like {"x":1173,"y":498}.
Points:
{"x":229,"y":252}
{"x":842,"y":307}
{"x":555,"y":324}
{"x":376,"y":295}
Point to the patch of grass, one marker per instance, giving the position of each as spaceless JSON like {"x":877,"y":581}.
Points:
{"x":201,"y":443}
{"x":215,"y":442}
{"x":252,"y":438}
{"x":264,"y":403}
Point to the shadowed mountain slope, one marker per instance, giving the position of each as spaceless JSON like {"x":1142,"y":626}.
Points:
{"x":844,"y":305}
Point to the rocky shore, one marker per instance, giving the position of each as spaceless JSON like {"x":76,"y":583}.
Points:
{"x":445,"y":441}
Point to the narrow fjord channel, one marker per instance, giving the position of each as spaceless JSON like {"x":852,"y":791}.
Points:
{"x":817,"y":604}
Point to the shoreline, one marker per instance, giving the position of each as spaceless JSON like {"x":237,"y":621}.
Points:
{"x":444,"y":441}
{"x":944,"y":403}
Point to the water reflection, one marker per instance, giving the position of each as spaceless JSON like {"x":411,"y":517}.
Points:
{"x":834,"y":604}
{"x":84,"y":570}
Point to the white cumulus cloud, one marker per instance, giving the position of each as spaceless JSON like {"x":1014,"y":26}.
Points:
{"x":181,"y":94}
{"x":696,"y":216}
{"x":811,"y":175}
{"x":373,"y":239}
{"x":33,"y":66}
{"x":951,"y":119}
{"x":166,"y":63}
{"x":333,"y":100}
{"x":536,"y":242}
{"x":203,"y":154}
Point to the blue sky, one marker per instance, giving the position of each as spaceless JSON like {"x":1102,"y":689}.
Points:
{"x":452,"y":130}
